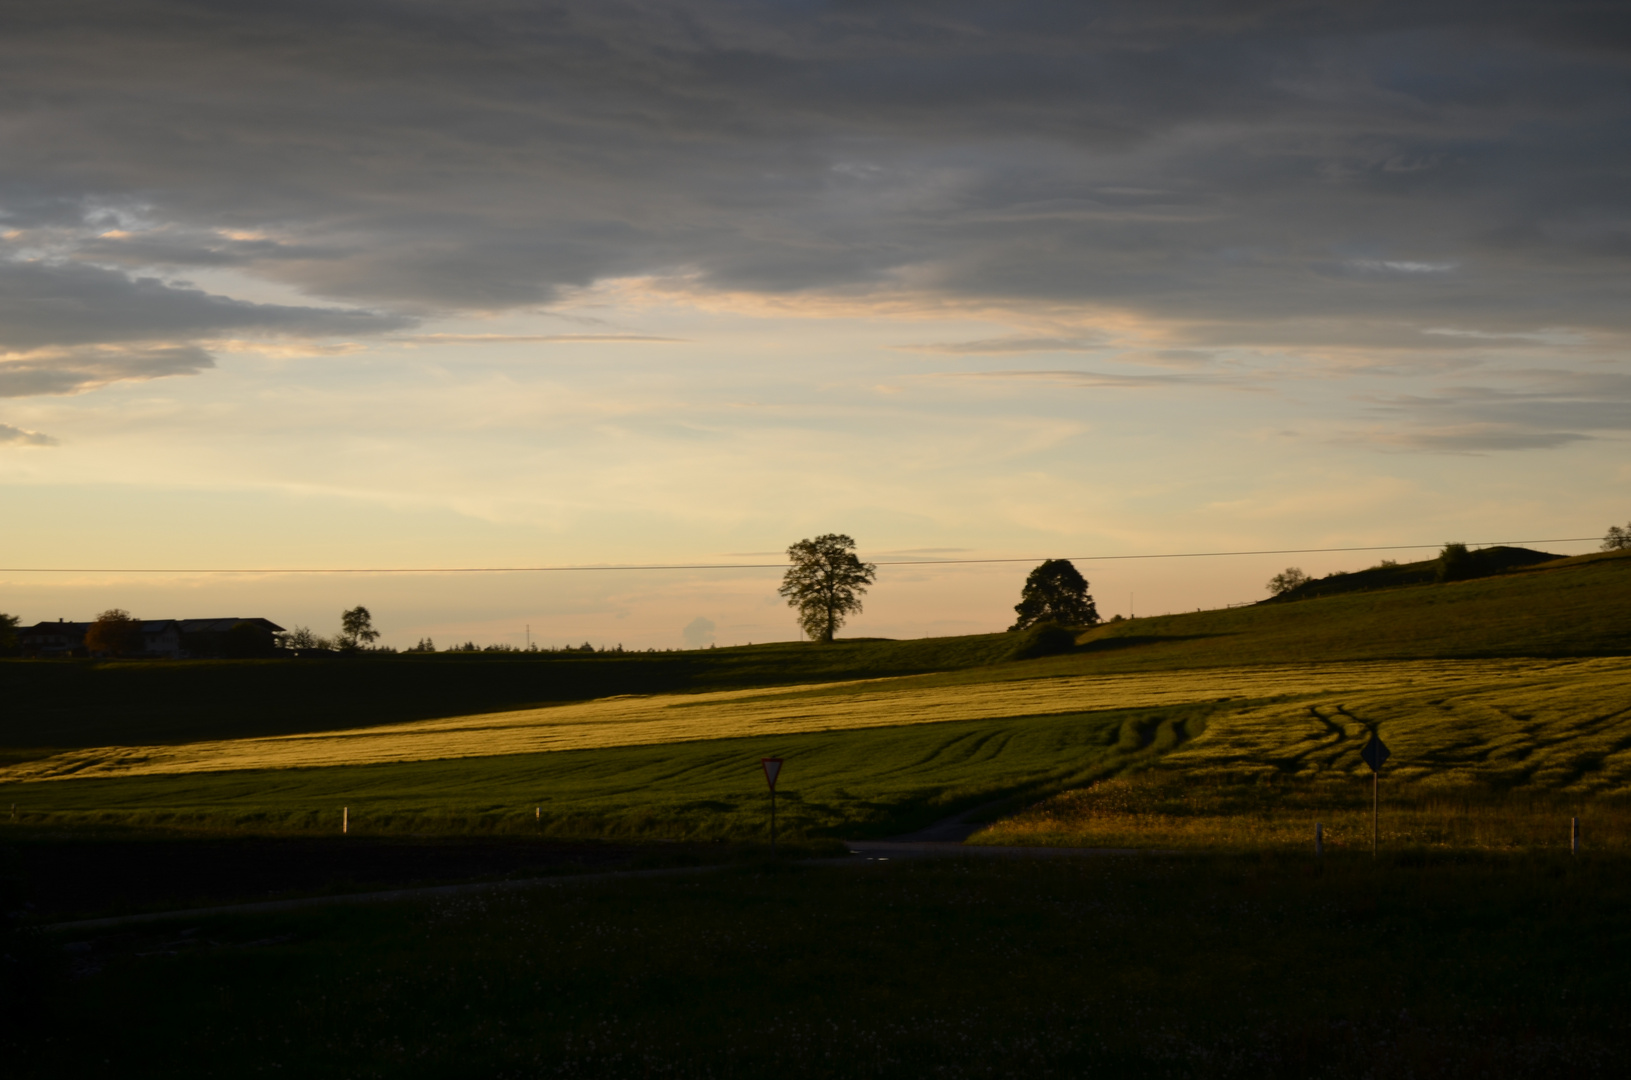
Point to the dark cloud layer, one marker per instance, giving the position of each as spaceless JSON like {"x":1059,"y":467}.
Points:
{"x":42,"y":305}
{"x":1238,"y":165}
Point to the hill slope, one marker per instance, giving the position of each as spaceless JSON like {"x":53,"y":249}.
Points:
{"x":1564,"y":608}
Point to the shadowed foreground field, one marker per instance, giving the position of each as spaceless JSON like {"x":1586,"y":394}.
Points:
{"x":1147,"y":966}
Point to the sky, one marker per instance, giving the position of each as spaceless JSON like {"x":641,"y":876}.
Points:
{"x":389,"y":285}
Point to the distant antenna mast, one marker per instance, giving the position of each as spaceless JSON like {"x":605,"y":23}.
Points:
{"x":529,"y":637}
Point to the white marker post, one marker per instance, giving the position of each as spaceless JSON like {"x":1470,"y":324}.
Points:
{"x":345,"y":820}
{"x":773,"y":768}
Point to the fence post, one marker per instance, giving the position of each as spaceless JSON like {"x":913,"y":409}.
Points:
{"x":1574,"y":836}
{"x":345,"y":820}
{"x":1319,"y":839}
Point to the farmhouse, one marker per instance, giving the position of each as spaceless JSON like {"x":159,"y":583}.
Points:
{"x":171,"y":639}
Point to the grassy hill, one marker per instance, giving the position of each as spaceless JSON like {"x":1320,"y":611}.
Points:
{"x":1566,"y":607}
{"x":1509,"y":684}
{"x":1484,"y":562}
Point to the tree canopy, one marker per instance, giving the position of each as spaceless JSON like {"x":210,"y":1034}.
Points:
{"x":1055,"y":592}
{"x":1618,"y":539}
{"x":1286,"y":580}
{"x":114,"y":633}
{"x":825,"y":583}
{"x":357,"y":628}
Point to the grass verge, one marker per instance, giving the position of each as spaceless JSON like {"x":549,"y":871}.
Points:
{"x":1195,"y":967}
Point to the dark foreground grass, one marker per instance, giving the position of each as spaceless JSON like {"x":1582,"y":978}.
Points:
{"x":865,"y":782}
{"x":1133,"y":966}
{"x":1172,"y":808}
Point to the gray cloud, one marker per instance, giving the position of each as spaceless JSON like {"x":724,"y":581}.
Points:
{"x":69,"y":371}
{"x":1545,"y":410}
{"x":16,"y":436}
{"x":1437,"y":164}
{"x":46,"y":305}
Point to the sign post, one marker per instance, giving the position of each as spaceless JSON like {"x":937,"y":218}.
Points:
{"x":1375,"y":753}
{"x":773,"y":768}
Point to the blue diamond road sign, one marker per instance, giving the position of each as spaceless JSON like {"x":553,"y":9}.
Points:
{"x":1375,"y":753}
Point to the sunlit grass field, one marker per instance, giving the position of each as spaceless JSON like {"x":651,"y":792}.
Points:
{"x":632,"y":721}
{"x":841,"y":783}
{"x":1258,"y":750}
{"x":1251,"y":756}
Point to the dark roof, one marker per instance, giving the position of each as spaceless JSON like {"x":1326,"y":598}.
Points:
{"x":56,"y":628}
{"x":221,"y":626}
{"x":155,"y":626}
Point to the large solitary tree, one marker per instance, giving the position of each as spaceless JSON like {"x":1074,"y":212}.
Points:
{"x":357,"y":629}
{"x":825,"y":583}
{"x":1055,"y":592}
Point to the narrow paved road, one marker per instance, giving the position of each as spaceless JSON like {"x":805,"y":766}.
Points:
{"x":942,"y":839}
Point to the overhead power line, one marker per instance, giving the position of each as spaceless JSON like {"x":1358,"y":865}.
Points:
{"x":738,"y":566}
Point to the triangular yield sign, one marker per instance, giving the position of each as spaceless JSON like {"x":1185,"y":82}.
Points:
{"x":773,"y":768}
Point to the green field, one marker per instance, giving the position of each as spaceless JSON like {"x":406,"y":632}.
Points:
{"x":866,"y":782}
{"x":1492,"y":692}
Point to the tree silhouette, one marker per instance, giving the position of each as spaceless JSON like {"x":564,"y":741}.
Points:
{"x":1290,"y":578}
{"x":1055,"y":592}
{"x":825,"y":583}
{"x":357,"y":628}
{"x":114,"y":633}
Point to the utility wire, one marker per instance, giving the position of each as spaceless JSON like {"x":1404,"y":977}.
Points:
{"x":748,"y":566}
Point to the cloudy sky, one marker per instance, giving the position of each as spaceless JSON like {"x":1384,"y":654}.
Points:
{"x":392,"y":284}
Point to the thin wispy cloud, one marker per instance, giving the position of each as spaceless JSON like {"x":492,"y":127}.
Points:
{"x":16,"y":436}
{"x":535,"y":339}
{"x":1098,"y":379}
{"x":996,"y":346}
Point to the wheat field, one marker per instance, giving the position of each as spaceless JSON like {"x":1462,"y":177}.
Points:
{"x":1550,"y":722}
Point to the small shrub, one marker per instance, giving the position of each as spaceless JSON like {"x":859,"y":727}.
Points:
{"x":1043,"y":639}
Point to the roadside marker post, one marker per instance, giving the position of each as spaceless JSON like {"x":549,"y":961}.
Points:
{"x":773,"y":768}
{"x":1319,"y":839}
{"x":1375,"y":753}
{"x":1574,"y":836}
{"x":345,"y":820}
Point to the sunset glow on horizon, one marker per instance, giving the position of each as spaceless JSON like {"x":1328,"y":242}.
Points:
{"x":623,"y":283}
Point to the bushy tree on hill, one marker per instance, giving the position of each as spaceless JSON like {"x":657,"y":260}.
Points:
{"x":825,"y":583}
{"x":1286,"y":580}
{"x":1055,"y":592}
{"x":8,"y":631}
{"x":1456,"y":563}
{"x":1618,"y":539}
